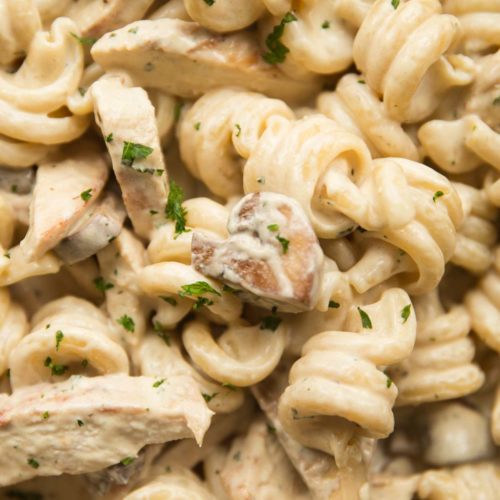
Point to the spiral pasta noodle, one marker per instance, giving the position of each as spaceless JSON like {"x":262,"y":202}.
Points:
{"x":441,"y":365}
{"x":402,"y":52}
{"x":68,"y":335}
{"x":343,"y":365}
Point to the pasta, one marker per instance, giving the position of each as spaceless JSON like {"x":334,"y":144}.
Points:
{"x":249,"y":249}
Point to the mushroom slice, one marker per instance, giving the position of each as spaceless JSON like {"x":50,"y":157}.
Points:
{"x":65,"y":189}
{"x":94,"y":231}
{"x":127,"y":121}
{"x":182,"y":58}
{"x":272,"y":253}
{"x":93,"y":423}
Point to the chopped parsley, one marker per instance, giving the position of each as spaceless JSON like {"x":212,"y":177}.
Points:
{"x":229,"y":289}
{"x":261,"y":180}
{"x":158,"y":383}
{"x":84,"y":40}
{"x":325,"y":25}
{"x":296,"y":416}
{"x":197,"y":125}
{"x":209,"y":2}
{"x":45,"y":415}
{"x":209,"y":397}
{"x":174,"y":210}
{"x":14,"y":188}
{"x":134,"y":30}
{"x":102,"y":285}
{"x":127,"y":322}
{"x":55,"y":369}
{"x":270,"y":322}
{"x":365,"y":319}
{"x":196,"y":289}
{"x":127,"y":460}
{"x":202,"y":301}
{"x":85,"y":363}
{"x":496,"y":101}
{"x":284,"y":243}
{"x":277,"y":51}
{"x":333,"y":305}
{"x":153,"y":212}
{"x":86,"y":195}
{"x":82,"y":91}
{"x":177,"y":111}
{"x":271,"y":429}
{"x":80,"y":423}
{"x":362,"y":82}
{"x":238,"y":128}
{"x":437,"y":195}
{"x":273,"y":227}
{"x":164,"y":336}
{"x":33,"y":463}
{"x":168,"y":300}
{"x":7,"y":255}
{"x":133,"y":151}
{"x":59,"y":339}
{"x":388,"y":382}
{"x":109,"y":137}
{"x":405,"y":313}
{"x":395,"y":3}
{"x":229,"y":386}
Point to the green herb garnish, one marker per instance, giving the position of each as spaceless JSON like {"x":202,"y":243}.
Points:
{"x":84,"y":40}
{"x":127,"y":460}
{"x":284,"y":243}
{"x":333,"y":305}
{"x":196,"y":289}
{"x":127,"y":322}
{"x":365,"y":319}
{"x":158,"y":383}
{"x":109,"y":137}
{"x":102,"y":285}
{"x":133,"y":151}
{"x":277,"y":51}
{"x":168,"y":300}
{"x":86,"y":195}
{"x":59,"y":338}
{"x":405,"y":313}
{"x":209,"y":397}
{"x":33,"y":463}
{"x":437,"y":195}
{"x":174,"y":210}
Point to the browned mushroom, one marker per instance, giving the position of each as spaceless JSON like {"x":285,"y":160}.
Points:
{"x":272,"y":253}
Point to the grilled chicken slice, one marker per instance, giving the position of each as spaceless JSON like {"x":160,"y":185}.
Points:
{"x":184,"y":59}
{"x":127,"y":121}
{"x":272,"y":253}
{"x":92,"y":423}
{"x":65,"y":189}
{"x":94,"y":231}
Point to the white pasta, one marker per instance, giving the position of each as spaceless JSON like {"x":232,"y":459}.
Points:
{"x":441,"y":365}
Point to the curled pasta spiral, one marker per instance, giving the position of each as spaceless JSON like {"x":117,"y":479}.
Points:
{"x":220,"y":130}
{"x":480,"y":21}
{"x":243,"y":355}
{"x":441,"y":365}
{"x":336,"y":384}
{"x":68,"y":336}
{"x":31,"y":99}
{"x":477,"y":234}
{"x":355,"y":107}
{"x":13,"y":327}
{"x":402,"y":52}
{"x":331,"y":174}
{"x":483,"y":304}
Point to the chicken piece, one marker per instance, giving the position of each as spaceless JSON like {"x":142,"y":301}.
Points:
{"x":272,"y":253}
{"x":65,"y":190}
{"x":94,"y":17}
{"x":184,"y":59}
{"x":94,"y":231}
{"x":127,"y":121}
{"x":85,"y":424}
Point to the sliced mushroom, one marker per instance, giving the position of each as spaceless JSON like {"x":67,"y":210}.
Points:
{"x":94,"y":231}
{"x":189,"y":60}
{"x":65,"y":189}
{"x":94,"y":17}
{"x":93,"y":423}
{"x":272,"y":253}
{"x":127,"y":121}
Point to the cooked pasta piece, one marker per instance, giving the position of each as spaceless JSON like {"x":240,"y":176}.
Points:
{"x":220,"y":130}
{"x":441,"y":365}
{"x":483,"y":305}
{"x":336,"y":392}
{"x":355,"y":107}
{"x":90,"y":413}
{"x":177,"y":483}
{"x":495,"y":418}
{"x":189,"y":60}
{"x":69,"y":336}
{"x":403,"y":50}
{"x":477,"y":234}
{"x":272,"y":254}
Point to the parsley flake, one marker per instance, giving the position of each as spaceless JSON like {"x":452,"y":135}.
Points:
{"x":437,"y":195}
{"x":202,"y":301}
{"x":59,"y":339}
{"x":362,"y":82}
{"x":270,"y":323}
{"x":333,"y":305}
{"x":405,"y":313}
{"x":80,"y":423}
{"x":33,"y":463}
{"x":127,"y":460}
{"x":229,"y":386}
{"x":196,"y":289}
{"x":395,"y":3}
{"x":273,"y":227}
{"x":109,"y":137}
{"x":174,"y":210}
{"x":14,"y":188}
{"x":209,"y":397}
{"x":277,"y":51}
{"x":134,"y":30}
{"x":55,"y":369}
{"x":496,"y":101}
{"x":86,"y":195}
{"x":84,"y":40}
{"x":168,"y":300}
{"x":158,"y":383}
{"x":82,"y":91}
{"x":197,"y":125}
{"x":388,"y":382}
{"x":102,"y":285}
{"x":177,"y":111}
{"x":85,"y":363}
{"x":209,"y":2}
{"x":45,"y":415}
{"x":271,"y":429}
{"x":325,"y":25}
{"x":133,"y":151}
{"x":127,"y":322}
{"x":365,"y":319}
{"x":284,"y":243}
